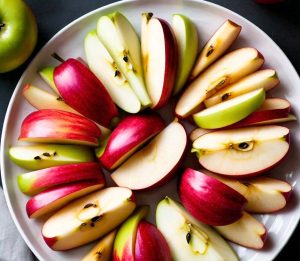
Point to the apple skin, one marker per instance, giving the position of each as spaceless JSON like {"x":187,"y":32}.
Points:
{"x":150,"y":244}
{"x":209,"y":200}
{"x":32,"y":183}
{"x":128,"y":136}
{"x":82,"y":90}
{"x":58,"y":196}
{"x":18,"y":35}
{"x":59,"y":127}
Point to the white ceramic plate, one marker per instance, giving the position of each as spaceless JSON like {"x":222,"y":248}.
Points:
{"x":208,"y":17}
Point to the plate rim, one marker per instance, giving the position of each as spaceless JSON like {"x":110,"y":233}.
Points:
{"x":3,"y":154}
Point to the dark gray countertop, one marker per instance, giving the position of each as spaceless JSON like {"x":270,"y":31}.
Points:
{"x":281,"y":22}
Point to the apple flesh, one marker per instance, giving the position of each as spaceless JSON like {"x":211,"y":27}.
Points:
{"x":209,"y":200}
{"x":88,"y":218}
{"x":229,"y":112}
{"x":103,"y":250}
{"x":242,"y":152}
{"x":158,"y":160}
{"x":37,"y":157}
{"x":196,"y":133}
{"x":32,"y":183}
{"x":247,"y":232}
{"x":47,"y":74}
{"x":266,"y":79}
{"x":188,"y":238}
{"x":227,"y":70}
{"x":132,"y":132}
{"x":216,"y":46}
{"x":82,"y":90}
{"x":289,"y":118}
{"x":103,"y":66}
{"x":160,"y":58}
{"x":122,"y":42}
{"x":150,"y":244}
{"x":55,"y":126}
{"x":54,"y":198}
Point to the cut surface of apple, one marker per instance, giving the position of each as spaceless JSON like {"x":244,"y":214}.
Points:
{"x":47,"y":75}
{"x":188,"y":238}
{"x":218,"y":44}
{"x":247,"y":232}
{"x":36,"y":157}
{"x":289,"y":118}
{"x":88,"y":218}
{"x":122,"y":42}
{"x":159,"y":52}
{"x":103,"y":250}
{"x":158,"y":160}
{"x":34,"y":182}
{"x":266,"y":79}
{"x":229,"y":69}
{"x":104,"y":67}
{"x":242,"y":152}
{"x":229,"y":112}
{"x":196,"y":133}
{"x":58,"y":196}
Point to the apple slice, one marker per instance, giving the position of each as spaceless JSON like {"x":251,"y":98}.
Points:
{"x":159,"y":52}
{"x":289,"y":118}
{"x":209,"y":200}
{"x":242,"y":152}
{"x":196,"y":133}
{"x":82,"y":90}
{"x":104,"y":67}
{"x":158,"y":160}
{"x":247,"y":232}
{"x":266,"y":79}
{"x":217,"y":45}
{"x":229,"y":112}
{"x":187,"y":41}
{"x":88,"y":218}
{"x":150,"y":244}
{"x":55,"y":126}
{"x":122,"y":42}
{"x":188,"y":238}
{"x":103,"y":250}
{"x":229,"y":69}
{"x":36,"y":157}
{"x":32,"y":183}
{"x":54,"y":198}
{"x":132,"y":132}
{"x":124,"y":246}
{"x":47,"y":75}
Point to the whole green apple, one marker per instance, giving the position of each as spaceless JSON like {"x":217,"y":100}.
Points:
{"x":18,"y":34}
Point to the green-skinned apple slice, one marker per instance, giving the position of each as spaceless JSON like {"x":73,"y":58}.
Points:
{"x":122,"y":42}
{"x":88,"y":218}
{"x":188,"y":238}
{"x":242,"y":152}
{"x":216,"y":46}
{"x":266,"y":79}
{"x":103,"y":250}
{"x":187,"y":42}
{"x":229,"y":112}
{"x":124,"y":246}
{"x":227,"y":70}
{"x":104,"y":67}
{"x":36,"y":157}
{"x":47,"y":75}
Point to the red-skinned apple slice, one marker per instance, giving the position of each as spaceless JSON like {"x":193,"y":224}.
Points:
{"x":266,"y":79}
{"x":247,"y":232}
{"x":227,"y":70}
{"x":242,"y":152}
{"x":150,"y":244}
{"x":217,"y":45}
{"x":54,"y":198}
{"x":88,"y":218}
{"x":34,"y":182}
{"x":289,"y":118}
{"x":160,"y":57}
{"x":55,"y":126}
{"x":209,"y":200}
{"x":156,"y":163}
{"x":82,"y":90}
